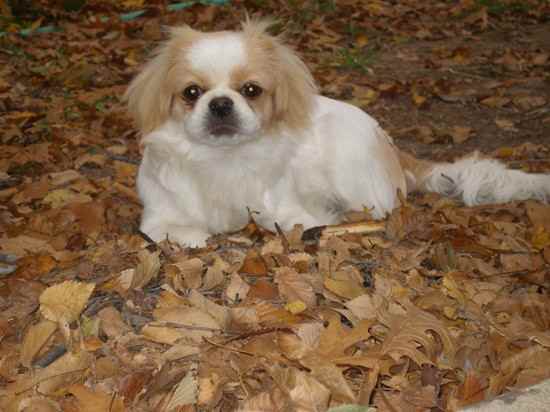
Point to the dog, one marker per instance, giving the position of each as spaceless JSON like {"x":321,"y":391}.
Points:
{"x":232,"y":121}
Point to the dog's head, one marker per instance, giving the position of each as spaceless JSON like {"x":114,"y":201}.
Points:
{"x":224,"y":87}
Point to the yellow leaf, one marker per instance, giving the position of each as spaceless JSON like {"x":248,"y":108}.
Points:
{"x":361,"y":40}
{"x":132,"y":4}
{"x":345,"y":288}
{"x":417,"y":98}
{"x":61,"y":197}
{"x":36,"y":24}
{"x":505,"y":152}
{"x":295,"y":307}
{"x":540,"y":238}
{"x":65,"y":301}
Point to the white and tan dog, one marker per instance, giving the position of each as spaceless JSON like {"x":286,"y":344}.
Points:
{"x":232,"y":120}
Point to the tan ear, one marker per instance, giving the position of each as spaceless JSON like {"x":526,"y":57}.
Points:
{"x":149,"y":94}
{"x":295,"y":86}
{"x":295,"y":90}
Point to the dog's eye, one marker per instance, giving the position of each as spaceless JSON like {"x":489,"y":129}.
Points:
{"x":251,"y":90}
{"x":192,"y":93}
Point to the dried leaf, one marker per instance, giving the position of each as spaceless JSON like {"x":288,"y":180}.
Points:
{"x":254,"y":264}
{"x":185,"y":393}
{"x":293,"y":286}
{"x":65,"y":301}
{"x":35,"y":339}
{"x":96,"y":401}
{"x":237,"y":289}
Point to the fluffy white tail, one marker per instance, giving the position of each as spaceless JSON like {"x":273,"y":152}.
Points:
{"x":477,"y":180}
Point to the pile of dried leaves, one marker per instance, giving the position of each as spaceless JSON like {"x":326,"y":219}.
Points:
{"x":436,"y":307}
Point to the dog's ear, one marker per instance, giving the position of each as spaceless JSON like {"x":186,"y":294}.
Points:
{"x":149,"y":95}
{"x":295,"y":87}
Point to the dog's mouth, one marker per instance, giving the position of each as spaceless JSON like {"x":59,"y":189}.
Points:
{"x":226,"y":127}
{"x":223,"y":130}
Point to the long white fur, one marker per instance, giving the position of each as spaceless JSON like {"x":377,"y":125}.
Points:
{"x":191,"y":191}
{"x":477,"y":180}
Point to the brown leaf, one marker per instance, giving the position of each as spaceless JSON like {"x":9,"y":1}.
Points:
{"x":184,"y":323}
{"x":335,"y":340}
{"x":111,"y":322}
{"x":96,"y":400}
{"x":365,"y":306}
{"x":147,"y":268}
{"x":293,"y":286}
{"x":30,"y":267}
{"x":496,"y":101}
{"x":69,"y":368}
{"x":218,"y":312}
{"x":306,"y":392}
{"x":237,"y":289}
{"x":472,"y":389}
{"x":331,"y":377}
{"x":406,"y":333}
{"x":253,"y":264}
{"x":215,"y":274}
{"x":460,"y":134}
{"x":186,"y":274}
{"x":263,"y":289}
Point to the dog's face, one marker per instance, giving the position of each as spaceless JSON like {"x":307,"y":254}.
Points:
{"x":223,"y":88}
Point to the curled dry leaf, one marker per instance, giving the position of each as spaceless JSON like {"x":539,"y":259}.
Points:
{"x":65,"y":301}
{"x":406,"y":333}
{"x":186,"y":274}
{"x":147,"y":268}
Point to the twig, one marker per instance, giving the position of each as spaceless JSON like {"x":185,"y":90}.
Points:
{"x":232,"y":349}
{"x":361,"y":228}
{"x":284,"y":240}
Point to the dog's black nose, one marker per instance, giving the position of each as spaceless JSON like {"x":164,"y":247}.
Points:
{"x":221,"y":106}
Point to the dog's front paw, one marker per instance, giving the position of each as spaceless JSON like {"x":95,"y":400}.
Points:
{"x":187,"y":236}
{"x":184,"y":235}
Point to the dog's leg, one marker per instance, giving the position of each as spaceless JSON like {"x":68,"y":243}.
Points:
{"x":475,"y":180}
